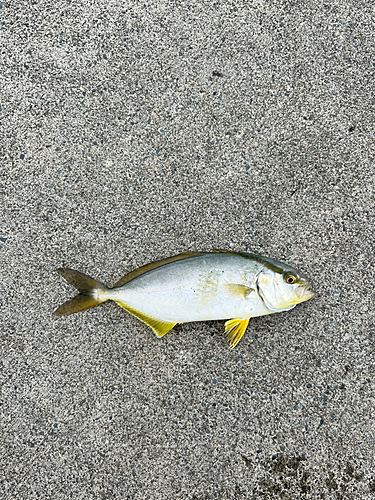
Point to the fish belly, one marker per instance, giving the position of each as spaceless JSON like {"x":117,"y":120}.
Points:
{"x":193,"y":290}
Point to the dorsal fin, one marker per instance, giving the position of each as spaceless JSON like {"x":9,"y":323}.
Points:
{"x":154,"y":265}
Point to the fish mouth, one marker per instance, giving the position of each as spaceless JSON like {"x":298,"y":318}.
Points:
{"x":305,"y":292}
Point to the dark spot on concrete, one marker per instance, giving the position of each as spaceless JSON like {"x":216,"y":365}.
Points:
{"x":287,"y":465}
{"x":247,"y":462}
{"x":239,"y":494}
{"x":289,"y":477}
{"x":358,"y":476}
{"x":349,"y":469}
{"x":330,"y":482}
{"x":217,"y":73}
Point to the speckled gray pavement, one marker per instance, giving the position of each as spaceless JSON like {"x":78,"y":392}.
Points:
{"x":132,"y":131}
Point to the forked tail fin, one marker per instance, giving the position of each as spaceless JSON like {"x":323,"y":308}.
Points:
{"x":91,"y":294}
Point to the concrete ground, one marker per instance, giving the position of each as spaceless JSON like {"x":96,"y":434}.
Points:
{"x":131,"y":131}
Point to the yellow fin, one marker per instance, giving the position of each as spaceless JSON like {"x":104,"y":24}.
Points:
{"x":234,"y":290}
{"x":159,"y":326}
{"x":154,"y":265}
{"x":234,"y":330}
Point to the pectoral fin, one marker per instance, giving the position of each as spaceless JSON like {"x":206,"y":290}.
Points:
{"x":159,"y":326}
{"x":235,"y":290}
{"x":234,"y":330}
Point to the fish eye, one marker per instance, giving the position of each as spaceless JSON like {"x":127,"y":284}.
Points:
{"x":290,"y":278}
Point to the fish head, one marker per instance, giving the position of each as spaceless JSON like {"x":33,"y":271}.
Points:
{"x":283,"y":288}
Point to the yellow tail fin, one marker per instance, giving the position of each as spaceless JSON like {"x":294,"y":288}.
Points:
{"x":91,"y":292}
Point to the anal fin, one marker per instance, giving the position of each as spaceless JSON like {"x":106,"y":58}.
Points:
{"x":234,"y":330}
{"x":159,"y":326}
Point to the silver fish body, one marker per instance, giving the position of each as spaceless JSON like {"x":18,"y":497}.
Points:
{"x":196,"y":289}
{"x":200,"y":287}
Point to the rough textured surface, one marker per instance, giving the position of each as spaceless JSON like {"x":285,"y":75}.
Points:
{"x":131,"y":131}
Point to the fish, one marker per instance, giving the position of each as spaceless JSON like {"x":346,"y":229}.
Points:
{"x":197,"y":286}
